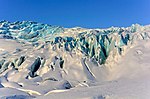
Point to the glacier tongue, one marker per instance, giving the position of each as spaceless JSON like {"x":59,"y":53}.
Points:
{"x":72,"y":56}
{"x":96,"y":44}
{"x":93,"y":43}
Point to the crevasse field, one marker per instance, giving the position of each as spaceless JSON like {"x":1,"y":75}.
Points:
{"x":51,"y":62}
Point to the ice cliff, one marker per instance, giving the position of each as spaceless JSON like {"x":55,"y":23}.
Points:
{"x":95,"y":46}
{"x":34,"y":55}
{"x":93,"y":43}
{"x":39,"y":59}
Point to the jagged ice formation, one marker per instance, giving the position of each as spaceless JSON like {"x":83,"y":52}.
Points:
{"x":93,"y":43}
{"x":38,"y":54}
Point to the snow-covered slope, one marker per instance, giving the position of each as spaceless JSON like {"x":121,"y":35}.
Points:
{"x":41,"y":60}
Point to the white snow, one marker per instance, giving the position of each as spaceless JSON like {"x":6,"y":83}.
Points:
{"x":129,"y":79}
{"x":122,"y":76}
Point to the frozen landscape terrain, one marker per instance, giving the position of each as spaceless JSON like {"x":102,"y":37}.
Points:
{"x":51,"y":62}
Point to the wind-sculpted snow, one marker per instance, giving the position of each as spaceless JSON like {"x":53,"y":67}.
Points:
{"x":41,"y":55}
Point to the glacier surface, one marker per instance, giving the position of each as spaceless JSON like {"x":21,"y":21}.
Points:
{"x":35,"y":55}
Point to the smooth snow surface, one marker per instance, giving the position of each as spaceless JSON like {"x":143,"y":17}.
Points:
{"x":51,"y":62}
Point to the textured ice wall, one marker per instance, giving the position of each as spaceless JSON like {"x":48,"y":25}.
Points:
{"x":27,"y":30}
{"x":99,"y":43}
{"x":93,"y":43}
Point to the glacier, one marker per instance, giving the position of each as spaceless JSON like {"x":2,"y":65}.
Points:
{"x":40,"y":55}
{"x":93,"y":43}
